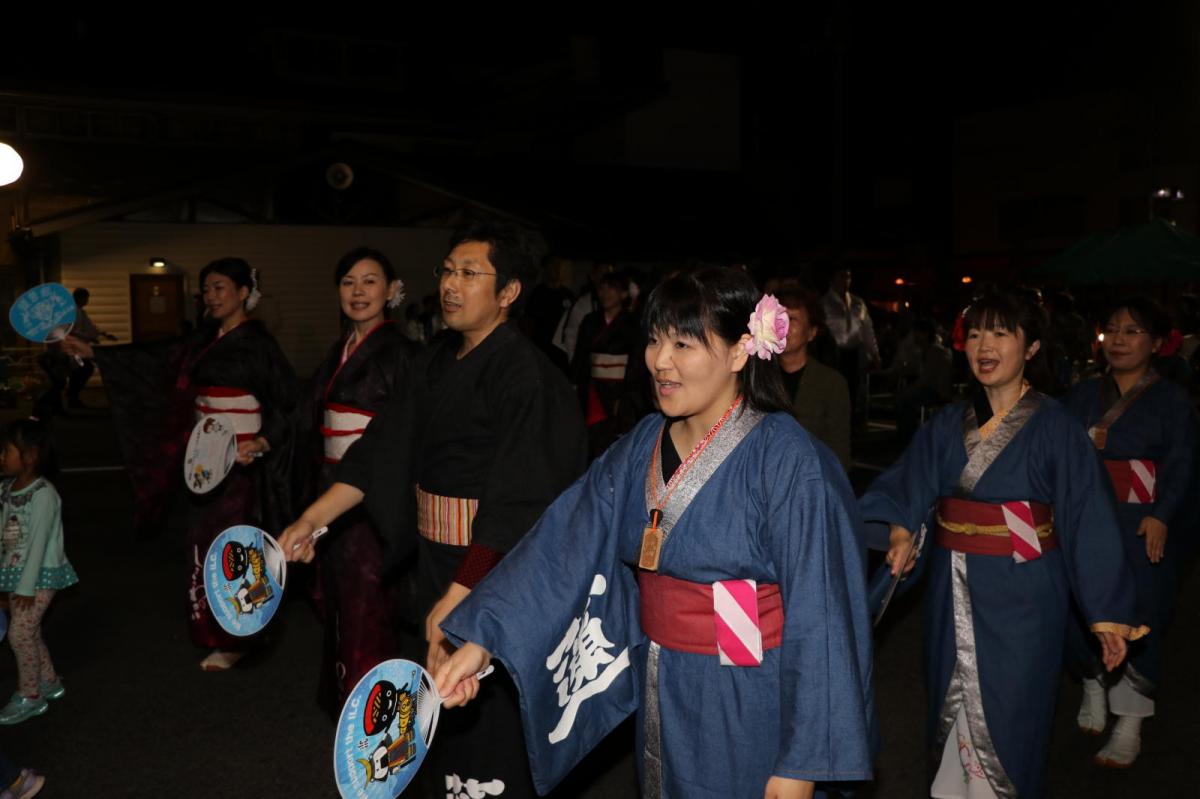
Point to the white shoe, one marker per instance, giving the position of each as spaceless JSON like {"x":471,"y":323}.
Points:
{"x":1093,"y":710}
{"x":1123,"y":745}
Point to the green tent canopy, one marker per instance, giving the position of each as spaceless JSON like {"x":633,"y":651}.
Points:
{"x":1156,"y":252}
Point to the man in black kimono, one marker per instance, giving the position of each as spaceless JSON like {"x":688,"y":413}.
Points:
{"x":489,"y":436}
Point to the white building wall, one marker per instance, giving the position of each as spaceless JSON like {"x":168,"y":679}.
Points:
{"x":296,"y":263}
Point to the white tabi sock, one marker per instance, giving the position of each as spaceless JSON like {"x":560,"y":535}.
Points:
{"x":1123,"y":745}
{"x":1093,"y":710}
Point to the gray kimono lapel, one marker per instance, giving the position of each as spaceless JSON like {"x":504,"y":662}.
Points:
{"x":982,"y":454}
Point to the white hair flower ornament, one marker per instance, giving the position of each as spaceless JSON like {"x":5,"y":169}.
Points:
{"x":768,"y":328}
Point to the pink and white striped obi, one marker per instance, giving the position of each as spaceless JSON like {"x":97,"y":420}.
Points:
{"x":241,"y":406}
{"x":610,"y":368}
{"x":736,"y":620}
{"x":1135,"y":482}
{"x":342,"y":426}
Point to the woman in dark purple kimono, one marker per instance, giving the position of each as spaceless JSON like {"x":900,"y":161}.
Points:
{"x":361,"y":372}
{"x":233,"y":366}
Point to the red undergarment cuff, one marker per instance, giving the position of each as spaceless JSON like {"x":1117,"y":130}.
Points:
{"x":476,"y":564}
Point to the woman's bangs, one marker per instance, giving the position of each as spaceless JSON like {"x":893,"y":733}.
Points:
{"x":991,"y":313}
{"x":676,"y":307}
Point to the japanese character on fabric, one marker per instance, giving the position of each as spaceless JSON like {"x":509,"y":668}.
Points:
{"x":458,"y":788}
{"x":569,"y":643}
{"x":576,"y":661}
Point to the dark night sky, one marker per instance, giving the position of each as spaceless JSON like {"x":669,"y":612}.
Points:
{"x":907,"y":76}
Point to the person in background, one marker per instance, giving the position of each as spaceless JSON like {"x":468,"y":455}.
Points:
{"x":355,"y":583}
{"x":232,"y":365}
{"x":85,"y":330}
{"x":33,"y":563}
{"x":933,"y":383}
{"x":820,"y":397}
{"x":607,"y":339}
{"x":1021,"y":521}
{"x":849,"y":322}
{"x":548,"y":302}
{"x":1146,"y":431}
{"x":567,"y":334}
{"x":490,"y":435}
{"x":414,"y":331}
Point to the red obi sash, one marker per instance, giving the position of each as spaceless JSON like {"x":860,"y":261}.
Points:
{"x":1022,"y":530}
{"x":711,"y":618}
{"x":1135,"y":481}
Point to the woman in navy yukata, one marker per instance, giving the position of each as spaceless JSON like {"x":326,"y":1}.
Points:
{"x":1145,"y":429}
{"x":714,"y":555}
{"x":1022,"y":518}
{"x":363,"y":369}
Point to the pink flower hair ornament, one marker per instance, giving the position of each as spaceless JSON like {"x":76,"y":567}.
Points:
{"x":768,"y":328}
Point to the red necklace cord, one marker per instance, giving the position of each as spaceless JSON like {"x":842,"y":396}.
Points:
{"x":687,"y":464}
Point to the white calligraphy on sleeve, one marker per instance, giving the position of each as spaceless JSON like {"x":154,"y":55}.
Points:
{"x":576,"y":663}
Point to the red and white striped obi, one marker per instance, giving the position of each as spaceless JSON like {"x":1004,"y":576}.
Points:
{"x":609,"y":368}
{"x":734,"y":619}
{"x":240,"y":405}
{"x":1023,"y":529}
{"x":342,"y":426}
{"x":1135,"y":481}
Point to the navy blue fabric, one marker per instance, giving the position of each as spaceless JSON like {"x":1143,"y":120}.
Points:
{"x":778,"y":510}
{"x":1160,"y":426}
{"x":1020,"y":610}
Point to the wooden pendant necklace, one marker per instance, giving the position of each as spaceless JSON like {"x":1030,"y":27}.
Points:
{"x":652,"y":536}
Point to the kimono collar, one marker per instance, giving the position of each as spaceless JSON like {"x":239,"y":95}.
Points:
{"x":722,"y":445}
{"x":981,"y":453}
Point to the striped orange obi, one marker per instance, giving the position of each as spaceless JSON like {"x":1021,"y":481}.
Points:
{"x":609,"y":367}
{"x":1024,"y":529}
{"x":342,"y":426}
{"x":1134,"y":482}
{"x":240,"y":405}
{"x":445,"y":520}
{"x":687,"y":617}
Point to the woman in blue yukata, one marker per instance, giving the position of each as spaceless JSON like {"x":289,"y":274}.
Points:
{"x":1145,"y":429}
{"x":1023,"y":519}
{"x":706,"y":573}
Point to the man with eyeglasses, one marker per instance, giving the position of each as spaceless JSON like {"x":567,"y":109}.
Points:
{"x":490,"y":434}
